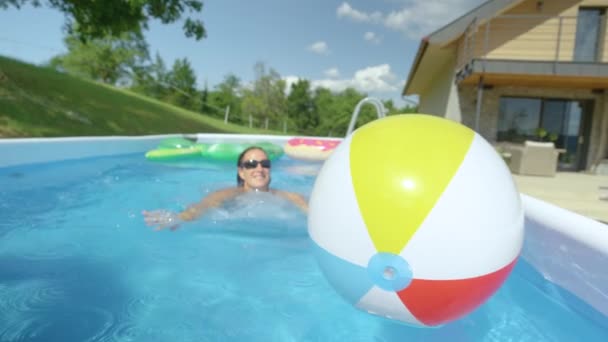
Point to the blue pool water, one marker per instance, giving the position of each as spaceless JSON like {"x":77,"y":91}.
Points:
{"x":77,"y":263}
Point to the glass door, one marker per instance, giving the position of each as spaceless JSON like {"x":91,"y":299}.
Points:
{"x":589,"y":27}
{"x":575,"y":135}
{"x":552,"y":119}
{"x":566,"y":123}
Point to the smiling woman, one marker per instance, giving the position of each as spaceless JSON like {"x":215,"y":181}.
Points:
{"x":249,"y":176}
{"x":253,"y":175}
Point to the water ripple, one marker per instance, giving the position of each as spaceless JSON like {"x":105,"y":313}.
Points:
{"x":126,"y":327}
{"x":23,"y":329}
{"x":105,"y":320}
{"x":19,"y":305}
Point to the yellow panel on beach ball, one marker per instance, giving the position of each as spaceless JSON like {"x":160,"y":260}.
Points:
{"x":412,"y":158}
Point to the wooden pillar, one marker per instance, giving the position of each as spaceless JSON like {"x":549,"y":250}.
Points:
{"x":479,"y":100}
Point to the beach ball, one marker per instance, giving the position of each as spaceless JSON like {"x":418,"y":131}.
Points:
{"x":415,"y":218}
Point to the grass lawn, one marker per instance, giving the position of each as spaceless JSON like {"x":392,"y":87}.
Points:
{"x":39,"y":102}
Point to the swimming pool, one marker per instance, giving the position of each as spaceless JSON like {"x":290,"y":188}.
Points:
{"x":77,"y":262}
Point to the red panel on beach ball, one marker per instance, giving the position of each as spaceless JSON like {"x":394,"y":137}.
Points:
{"x":434,"y":302}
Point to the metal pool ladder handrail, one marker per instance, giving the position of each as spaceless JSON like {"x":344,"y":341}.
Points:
{"x":379,"y":109}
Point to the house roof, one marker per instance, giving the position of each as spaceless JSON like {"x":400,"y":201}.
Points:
{"x":432,"y":48}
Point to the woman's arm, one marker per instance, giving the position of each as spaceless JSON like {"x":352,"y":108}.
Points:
{"x":295,"y":198}
{"x":213,"y":200}
{"x":163,"y":219}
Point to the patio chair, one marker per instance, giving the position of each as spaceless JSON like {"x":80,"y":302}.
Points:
{"x":532,"y":158}
{"x":603,"y":192}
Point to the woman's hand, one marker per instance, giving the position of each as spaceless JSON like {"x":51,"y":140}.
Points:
{"x":162,"y":219}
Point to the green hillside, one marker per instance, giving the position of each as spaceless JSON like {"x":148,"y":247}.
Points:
{"x":39,"y":102}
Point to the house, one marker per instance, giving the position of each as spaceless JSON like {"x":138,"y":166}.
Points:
{"x":518,"y":70}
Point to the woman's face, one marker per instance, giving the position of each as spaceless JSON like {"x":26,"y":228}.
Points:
{"x":255,"y":177}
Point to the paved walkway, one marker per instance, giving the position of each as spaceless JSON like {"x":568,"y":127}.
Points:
{"x":578,"y":192}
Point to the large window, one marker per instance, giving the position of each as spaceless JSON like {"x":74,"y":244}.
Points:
{"x":589,"y":29}
{"x":518,"y":118}
{"x":563,"y":122}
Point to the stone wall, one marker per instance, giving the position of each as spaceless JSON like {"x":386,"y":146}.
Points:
{"x":488,"y":121}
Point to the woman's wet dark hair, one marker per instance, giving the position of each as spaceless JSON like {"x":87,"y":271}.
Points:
{"x":239,"y":181}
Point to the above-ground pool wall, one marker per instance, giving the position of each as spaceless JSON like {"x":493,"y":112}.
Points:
{"x":42,"y":150}
{"x":569,"y":250}
{"x":280,"y":140}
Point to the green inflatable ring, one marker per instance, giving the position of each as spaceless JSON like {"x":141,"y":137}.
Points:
{"x":178,"y":149}
{"x":175,"y":149}
{"x":175,"y":154}
{"x":175,"y":143}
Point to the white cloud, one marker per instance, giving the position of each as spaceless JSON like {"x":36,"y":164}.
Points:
{"x":319,"y":47}
{"x":345,"y":10}
{"x":377,"y":81}
{"x":371,"y":79}
{"x":416,"y":18}
{"x":376,"y":78}
{"x":247,"y":85}
{"x":371,"y":37}
{"x":332,"y":73}
{"x":289,"y":80}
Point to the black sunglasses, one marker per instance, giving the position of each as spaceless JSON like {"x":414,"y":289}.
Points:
{"x":252,"y":164}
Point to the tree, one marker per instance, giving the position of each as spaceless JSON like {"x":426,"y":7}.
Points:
{"x":278,"y":100}
{"x":390,"y":107}
{"x":336,"y":110}
{"x":151,"y":80}
{"x":182,"y":83}
{"x":266,"y":101}
{"x":409,"y":109}
{"x":91,"y":19}
{"x":226,"y":94}
{"x":300,"y":107}
{"x":204,"y":98}
{"x":324,"y":102}
{"x":106,"y":59}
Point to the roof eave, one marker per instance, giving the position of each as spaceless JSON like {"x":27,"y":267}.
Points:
{"x":448,"y":33}
{"x":452,"y":31}
{"x":421,"y":50}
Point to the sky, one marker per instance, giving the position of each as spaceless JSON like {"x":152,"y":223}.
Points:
{"x":365,"y":44}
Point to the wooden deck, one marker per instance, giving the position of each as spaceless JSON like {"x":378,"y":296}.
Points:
{"x":579,"y":192}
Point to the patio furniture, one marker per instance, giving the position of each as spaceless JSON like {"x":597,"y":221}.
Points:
{"x":532,"y":158}
{"x":601,"y":167}
{"x":603,"y":193}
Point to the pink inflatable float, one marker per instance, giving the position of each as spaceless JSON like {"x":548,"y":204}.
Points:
{"x":310,"y":148}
